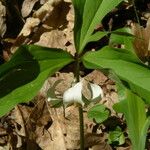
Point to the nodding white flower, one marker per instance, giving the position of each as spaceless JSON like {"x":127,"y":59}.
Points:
{"x":49,"y":99}
{"x":74,"y":94}
{"x":96,"y":91}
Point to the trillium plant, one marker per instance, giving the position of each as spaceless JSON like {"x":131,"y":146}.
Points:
{"x":74,"y":95}
{"x":23,"y":76}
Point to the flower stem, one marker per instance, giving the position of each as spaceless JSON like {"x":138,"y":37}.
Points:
{"x":81,"y":118}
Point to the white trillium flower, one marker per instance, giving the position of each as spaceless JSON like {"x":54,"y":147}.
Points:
{"x":96,"y":91}
{"x":74,"y":94}
{"x":51,"y":99}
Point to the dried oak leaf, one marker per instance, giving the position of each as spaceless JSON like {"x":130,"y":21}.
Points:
{"x":46,"y":8}
{"x":35,"y":29}
{"x":124,"y":148}
{"x":30,"y":24}
{"x":43,"y":1}
{"x":27,"y":7}
{"x":142,"y":40}
{"x":2,"y":19}
{"x":54,"y":38}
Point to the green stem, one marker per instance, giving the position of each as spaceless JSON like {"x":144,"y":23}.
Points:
{"x":135,"y":11}
{"x":81,"y":118}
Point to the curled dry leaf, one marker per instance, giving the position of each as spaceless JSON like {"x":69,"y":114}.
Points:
{"x":27,"y":7}
{"x":33,"y":122}
{"x":142,"y":40}
{"x":103,"y":146}
{"x":29,"y":26}
{"x":54,"y":38}
{"x":69,"y":1}
{"x":148,"y":26}
{"x":2,"y":19}
{"x":57,"y":131}
{"x":43,"y":1}
{"x":33,"y":28}
{"x":69,"y":31}
{"x":124,"y":148}
{"x":46,"y":8}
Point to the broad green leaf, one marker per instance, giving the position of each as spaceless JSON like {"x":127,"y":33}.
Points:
{"x":22,"y":69}
{"x":56,"y":103}
{"x":133,"y":108}
{"x":124,"y":37}
{"x":99,"y":113}
{"x":52,"y":98}
{"x":125,"y":64}
{"x":51,"y":91}
{"x":88,"y":14}
{"x":98,"y":35}
{"x":78,"y":8}
{"x":116,"y":136}
{"x":23,"y":86}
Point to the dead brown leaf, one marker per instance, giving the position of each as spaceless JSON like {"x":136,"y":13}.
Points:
{"x":104,"y":146}
{"x":142,"y":40}
{"x":124,"y":148}
{"x":30,"y":24}
{"x":43,"y":1}
{"x":27,"y":7}
{"x":54,"y":39}
{"x":2,"y":19}
{"x":46,"y":8}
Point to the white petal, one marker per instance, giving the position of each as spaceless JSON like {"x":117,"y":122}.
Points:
{"x":52,"y":99}
{"x":96,"y":91}
{"x":49,"y":99}
{"x":73,"y":94}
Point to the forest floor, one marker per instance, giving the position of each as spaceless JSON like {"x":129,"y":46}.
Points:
{"x":35,"y":125}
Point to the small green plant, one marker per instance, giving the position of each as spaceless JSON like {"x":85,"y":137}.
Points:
{"x":116,"y":136}
{"x":23,"y":76}
{"x":99,"y":113}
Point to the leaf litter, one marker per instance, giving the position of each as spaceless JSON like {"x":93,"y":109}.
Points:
{"x":36,"y":125}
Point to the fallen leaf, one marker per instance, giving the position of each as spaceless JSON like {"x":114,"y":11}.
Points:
{"x":54,"y":38}
{"x":2,"y":19}
{"x":30,"y":24}
{"x":46,"y":8}
{"x":103,"y":146}
{"x":124,"y":148}
{"x":43,"y":1}
{"x":27,"y":7}
{"x":142,"y":40}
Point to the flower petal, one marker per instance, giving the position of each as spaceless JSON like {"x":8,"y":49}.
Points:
{"x":73,"y":94}
{"x":96,"y":91}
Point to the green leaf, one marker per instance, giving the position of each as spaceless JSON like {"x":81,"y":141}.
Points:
{"x":52,"y":98}
{"x":51,"y":90}
{"x":22,"y":69}
{"x":78,"y":8}
{"x":126,"y":66}
{"x":116,"y":136}
{"x":99,"y":113}
{"x":88,"y":14}
{"x":124,"y":37}
{"x":133,"y":108}
{"x":23,"y":76}
{"x":56,"y":103}
{"x":96,"y":36}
